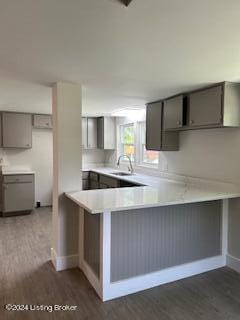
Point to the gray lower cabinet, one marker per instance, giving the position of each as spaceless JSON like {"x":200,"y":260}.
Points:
{"x":16,"y":130}
{"x":85,"y":180}
{"x":42,"y":121}
{"x":18,"y":193}
{"x":109,"y":182}
{"x":106,"y":133}
{"x":173,"y":113}
{"x":94,"y":184}
{"x":156,"y":138}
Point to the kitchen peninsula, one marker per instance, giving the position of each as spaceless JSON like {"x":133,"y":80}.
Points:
{"x":160,"y":230}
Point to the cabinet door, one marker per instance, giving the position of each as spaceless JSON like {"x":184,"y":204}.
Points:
{"x":85,"y":185}
{"x":18,"y":196}
{"x":109,"y":133}
{"x":94,"y":185}
{"x":17,"y":130}
{"x":154,"y":126}
{"x":92,"y":133}
{"x":205,"y":107}
{"x":0,"y":130}
{"x":101,"y":133}
{"x":106,"y":133}
{"x":173,"y":113}
{"x":42,"y":121}
{"x":84,"y":133}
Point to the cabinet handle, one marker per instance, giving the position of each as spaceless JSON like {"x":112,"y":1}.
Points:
{"x":179,"y":122}
{"x":5,"y":186}
{"x":191,"y":121}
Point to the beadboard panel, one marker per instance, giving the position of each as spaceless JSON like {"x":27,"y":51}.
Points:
{"x":152,"y":239}
{"x":92,"y":241}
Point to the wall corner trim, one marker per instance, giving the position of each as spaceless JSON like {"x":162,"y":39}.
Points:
{"x":233,"y":263}
{"x":64,"y":262}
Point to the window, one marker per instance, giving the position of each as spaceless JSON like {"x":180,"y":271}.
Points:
{"x":146,"y":157}
{"x":127,"y":138}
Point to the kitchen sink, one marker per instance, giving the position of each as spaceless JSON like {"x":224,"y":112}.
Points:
{"x":122,"y":173}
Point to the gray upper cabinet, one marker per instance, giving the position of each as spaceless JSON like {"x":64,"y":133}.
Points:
{"x":106,"y":133}
{"x":205,"y":107}
{"x":16,"y":130}
{"x":42,"y":121}
{"x":89,"y":133}
{"x":173,"y":113}
{"x":92,"y":133}
{"x":156,"y":138}
{"x":212,"y":107}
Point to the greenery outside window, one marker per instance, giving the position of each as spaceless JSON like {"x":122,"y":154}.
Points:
{"x":127,"y":140}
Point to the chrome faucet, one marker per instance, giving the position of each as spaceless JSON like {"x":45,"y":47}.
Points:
{"x":130,"y":168}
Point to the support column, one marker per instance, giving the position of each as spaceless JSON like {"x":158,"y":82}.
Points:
{"x":67,"y":172}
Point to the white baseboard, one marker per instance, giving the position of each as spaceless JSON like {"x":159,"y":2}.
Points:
{"x":64,"y":262}
{"x":233,"y":263}
{"x":132,"y":285}
{"x":92,"y":278}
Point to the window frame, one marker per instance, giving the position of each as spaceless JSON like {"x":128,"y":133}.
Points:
{"x":138,"y":146}
{"x":121,"y":144}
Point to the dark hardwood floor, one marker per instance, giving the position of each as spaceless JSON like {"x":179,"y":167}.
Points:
{"x":28,"y":277}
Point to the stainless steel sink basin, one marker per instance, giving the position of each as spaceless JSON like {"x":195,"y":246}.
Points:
{"x":122,"y":173}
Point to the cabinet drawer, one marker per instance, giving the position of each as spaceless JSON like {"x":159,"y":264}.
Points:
{"x":85,"y":175}
{"x":93,"y":176}
{"x":110,"y":182}
{"x":23,"y":178}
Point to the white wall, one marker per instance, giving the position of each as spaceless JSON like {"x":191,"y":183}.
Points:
{"x":97,"y":157}
{"x":38,"y":159}
{"x":207,"y":153}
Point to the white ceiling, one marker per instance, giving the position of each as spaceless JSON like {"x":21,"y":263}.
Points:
{"x":122,"y":56}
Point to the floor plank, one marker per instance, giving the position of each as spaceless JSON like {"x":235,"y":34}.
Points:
{"x":28,"y":277}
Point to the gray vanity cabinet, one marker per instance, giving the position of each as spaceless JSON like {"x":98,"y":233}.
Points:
{"x":205,"y":107}
{"x":173,"y":113}
{"x":106,"y":133}
{"x":17,"y":193}
{"x":89,"y":133}
{"x":16,"y":130}
{"x":156,"y":138}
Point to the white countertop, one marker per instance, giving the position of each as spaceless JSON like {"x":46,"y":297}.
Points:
{"x":158,"y":191}
{"x":7,"y":172}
